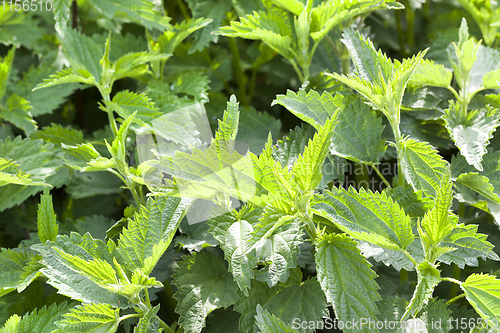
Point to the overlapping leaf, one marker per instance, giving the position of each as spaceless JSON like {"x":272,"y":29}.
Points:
{"x":203,"y":286}
{"x":268,"y":323}
{"x":428,"y":279}
{"x":289,"y":300}
{"x":469,"y":245}
{"x":372,"y":217}
{"x":87,"y":318}
{"x":273,"y":28}
{"x":64,"y":274}
{"x":35,"y":158}
{"x":472,"y":135}
{"x":12,"y":268}
{"x":310,"y":107}
{"x":46,"y":219}
{"x":422,"y":166}
{"x":357,"y":136}
{"x":482,"y":292}
{"x":429,"y":73}
{"x":307,"y":169}
{"x":40,"y":321}
{"x":346,"y":278}
{"x":150,"y":232}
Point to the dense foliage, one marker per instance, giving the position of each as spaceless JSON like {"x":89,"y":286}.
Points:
{"x":249,"y":165}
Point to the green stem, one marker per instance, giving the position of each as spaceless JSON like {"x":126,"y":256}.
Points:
{"x":400,"y":34}
{"x":451,"y":280}
{"x":251,"y":86}
{"x":297,"y":70}
{"x":112,"y":123}
{"x":133,"y":315}
{"x":454,"y":92}
{"x":454,"y":299}
{"x":165,"y":326}
{"x":238,"y":71}
{"x":362,"y":177}
{"x":410,"y":21}
{"x":408,"y":255}
{"x":381,"y":176}
{"x":456,"y":275}
{"x":184,"y":11}
{"x":464,"y":102}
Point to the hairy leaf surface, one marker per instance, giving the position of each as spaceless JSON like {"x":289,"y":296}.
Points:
{"x":203,"y":286}
{"x":346,"y":278}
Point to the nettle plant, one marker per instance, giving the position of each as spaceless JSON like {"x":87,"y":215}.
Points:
{"x":284,"y":241}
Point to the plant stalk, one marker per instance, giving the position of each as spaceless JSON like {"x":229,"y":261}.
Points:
{"x":454,"y":299}
{"x":238,"y":71}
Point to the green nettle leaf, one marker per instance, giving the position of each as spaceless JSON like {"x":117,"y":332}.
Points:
{"x":133,"y":64}
{"x":254,"y":128}
{"x":5,"y":68}
{"x":11,"y":326}
{"x":180,"y":31}
{"x":357,"y":136}
{"x":294,"y":6}
{"x":46,"y":101}
{"x":63,"y":273}
{"x":35,"y":158}
{"x":368,"y":216}
{"x":287,"y":300}
{"x":233,"y":231}
{"x":429,"y":73}
{"x":68,"y":75}
{"x":12,"y":268}
{"x":274,"y":28}
{"x":61,"y":15}
{"x":377,"y":78}
{"x":17,"y":111}
{"x":347,"y":279}
{"x":469,"y":245}
{"x":436,"y":316}
{"x":203,"y":286}
{"x":331,"y":13}
{"x":422,"y":166}
{"x":268,"y":323}
{"x":211,"y":9}
{"x":203,"y":174}
{"x":91,"y":318}
{"x":11,"y":173}
{"x":482,"y":292}
{"x":288,"y":149}
{"x":83,"y":53}
{"x":191,"y":82}
{"x":140,"y":11}
{"x":40,"y":321}
{"x":485,"y":183}
{"x":236,"y":247}
{"x":150,"y":232}
{"x":126,"y":103}
{"x":58,"y":134}
{"x":276,"y":241}
{"x":472,"y":135}
{"x":307,"y":168}
{"x":310,"y":107}
{"x":46,"y":219}
{"x":228,"y":126}
{"x":439,"y":222}
{"x":428,"y":278}
{"x":149,"y":323}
